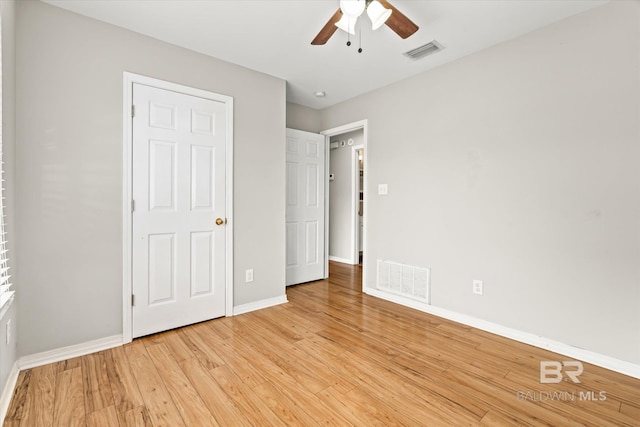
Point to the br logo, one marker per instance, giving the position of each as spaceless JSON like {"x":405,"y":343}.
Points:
{"x":552,"y":372}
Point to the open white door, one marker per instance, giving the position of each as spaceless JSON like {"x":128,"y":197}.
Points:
{"x":305,"y":213}
{"x":178,"y":238}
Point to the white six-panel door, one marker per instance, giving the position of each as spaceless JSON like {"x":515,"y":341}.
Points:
{"x":305,"y":182}
{"x":178,"y":266}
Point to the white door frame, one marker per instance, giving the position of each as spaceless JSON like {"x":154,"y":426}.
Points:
{"x":349,"y":127}
{"x":127,"y":180}
{"x":355,"y":202}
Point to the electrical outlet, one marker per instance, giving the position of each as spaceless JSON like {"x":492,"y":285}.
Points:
{"x":383,"y":189}
{"x":477,"y":287}
{"x":248,"y":275}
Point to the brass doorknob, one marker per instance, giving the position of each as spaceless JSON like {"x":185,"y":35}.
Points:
{"x":219,"y":221}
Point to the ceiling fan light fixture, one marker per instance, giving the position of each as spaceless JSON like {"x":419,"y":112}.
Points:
{"x":378,"y":14}
{"x":352,"y":8}
{"x":348,"y":24}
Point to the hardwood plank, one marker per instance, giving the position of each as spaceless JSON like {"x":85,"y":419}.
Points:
{"x":39,"y":401}
{"x":202,"y":346}
{"x":276,"y":321}
{"x":135,"y":417}
{"x":253,"y":408}
{"x":64,"y":365}
{"x":126,"y":395}
{"x":312,"y":323}
{"x":336,"y":402}
{"x":460,"y":360}
{"x":498,"y":418}
{"x":97,"y":386}
{"x":286,"y":410}
{"x":219,"y":403}
{"x":105,"y":417}
{"x":232,"y":356}
{"x":174,"y":341}
{"x":380,"y":410}
{"x":422,"y":404}
{"x":499,"y":397}
{"x":188,"y":401}
{"x":296,"y":393}
{"x":321,"y":347}
{"x":161,"y":409}
{"x":18,"y":400}
{"x":220,"y":327}
{"x":303,"y":368}
{"x":631,"y":410}
{"x":322,"y":364}
{"x":69,"y":409}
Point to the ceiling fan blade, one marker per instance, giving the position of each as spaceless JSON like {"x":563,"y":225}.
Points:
{"x":329,"y":28}
{"x":398,"y":22}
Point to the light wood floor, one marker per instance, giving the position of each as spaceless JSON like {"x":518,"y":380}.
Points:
{"x":331,"y":356}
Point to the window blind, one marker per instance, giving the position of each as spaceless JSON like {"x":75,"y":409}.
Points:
{"x":6,"y":293}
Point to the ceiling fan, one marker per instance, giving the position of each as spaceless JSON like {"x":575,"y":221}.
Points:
{"x":379,"y":11}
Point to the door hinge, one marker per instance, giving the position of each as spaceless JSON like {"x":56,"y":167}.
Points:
{"x":133,"y":300}
{"x":133,"y":111}
{"x":133,"y":205}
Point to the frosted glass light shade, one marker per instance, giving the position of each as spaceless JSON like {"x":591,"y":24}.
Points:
{"x":348,"y":24}
{"x":378,"y":14}
{"x":352,"y":8}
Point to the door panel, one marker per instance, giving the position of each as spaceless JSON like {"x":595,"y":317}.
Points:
{"x":162,"y":268}
{"x":162,"y":175}
{"x":311,"y":239}
{"x":202,"y":179}
{"x":305,"y":178}
{"x":179,"y":191}
{"x":202,"y":251}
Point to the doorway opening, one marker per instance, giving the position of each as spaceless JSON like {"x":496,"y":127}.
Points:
{"x":359,"y":180}
{"x":346,"y":192}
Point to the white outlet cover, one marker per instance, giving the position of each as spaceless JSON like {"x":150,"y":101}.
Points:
{"x":477,"y":287}
{"x":383,"y":189}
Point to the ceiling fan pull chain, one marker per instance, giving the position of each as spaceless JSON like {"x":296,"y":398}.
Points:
{"x":360,"y":39}
{"x":348,"y":39}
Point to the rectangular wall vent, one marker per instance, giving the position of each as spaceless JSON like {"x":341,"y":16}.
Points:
{"x":406,"y":280}
{"x":424,"y":50}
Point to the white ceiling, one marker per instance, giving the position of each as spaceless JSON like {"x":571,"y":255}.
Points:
{"x":273,"y":36}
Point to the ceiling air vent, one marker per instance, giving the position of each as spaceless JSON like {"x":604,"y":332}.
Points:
{"x":424,"y":50}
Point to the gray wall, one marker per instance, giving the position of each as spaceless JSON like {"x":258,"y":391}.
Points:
{"x":518,"y":166}
{"x":341,"y":196}
{"x":7,"y":11}
{"x":303,"y":118}
{"x":69,"y":170}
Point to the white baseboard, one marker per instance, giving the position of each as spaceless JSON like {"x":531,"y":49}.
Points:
{"x":341,"y":260}
{"x":7,"y":392}
{"x":607,"y":362}
{"x":51,"y":356}
{"x":258,"y":305}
